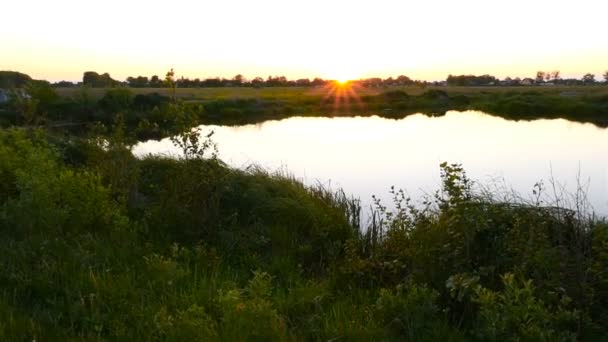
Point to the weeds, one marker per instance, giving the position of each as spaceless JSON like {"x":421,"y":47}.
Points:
{"x":99,"y":245}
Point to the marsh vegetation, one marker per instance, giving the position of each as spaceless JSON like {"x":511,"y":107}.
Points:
{"x":97,"y":244}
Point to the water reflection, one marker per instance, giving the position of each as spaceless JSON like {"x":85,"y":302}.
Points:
{"x":367,"y":155}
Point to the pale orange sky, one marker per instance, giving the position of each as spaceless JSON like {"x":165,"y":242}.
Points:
{"x":423,"y":39}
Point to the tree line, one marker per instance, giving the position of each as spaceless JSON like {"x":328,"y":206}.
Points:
{"x":12,"y":79}
{"x":542,"y":78}
{"x":96,"y":80}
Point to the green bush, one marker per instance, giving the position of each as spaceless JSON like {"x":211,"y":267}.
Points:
{"x":116,"y":100}
{"x":99,"y":245}
{"x":411,"y":312}
{"x":515,"y":314}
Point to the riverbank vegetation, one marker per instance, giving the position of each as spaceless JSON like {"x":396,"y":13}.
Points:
{"x":99,"y":245}
{"x":148,"y":111}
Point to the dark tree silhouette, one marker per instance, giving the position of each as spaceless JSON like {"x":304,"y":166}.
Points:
{"x":589,"y":78}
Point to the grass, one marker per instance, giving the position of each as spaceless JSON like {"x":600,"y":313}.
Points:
{"x":98,"y":245}
{"x":202,"y":94}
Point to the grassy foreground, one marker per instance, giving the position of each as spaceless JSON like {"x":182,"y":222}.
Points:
{"x":99,"y":245}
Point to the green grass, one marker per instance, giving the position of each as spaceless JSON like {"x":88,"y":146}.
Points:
{"x":315,"y":92}
{"x":99,"y":245}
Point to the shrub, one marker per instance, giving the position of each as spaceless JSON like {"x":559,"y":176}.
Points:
{"x":411,"y":312}
{"x":515,"y":314}
{"x":116,"y":100}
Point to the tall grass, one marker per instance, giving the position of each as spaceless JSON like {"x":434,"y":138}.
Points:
{"x":99,"y":245}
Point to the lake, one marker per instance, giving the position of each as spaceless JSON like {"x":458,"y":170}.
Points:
{"x":367,"y":155}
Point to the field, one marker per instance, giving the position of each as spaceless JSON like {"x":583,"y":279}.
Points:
{"x":291,"y":92}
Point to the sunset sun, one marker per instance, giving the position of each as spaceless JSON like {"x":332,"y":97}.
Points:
{"x":342,"y":80}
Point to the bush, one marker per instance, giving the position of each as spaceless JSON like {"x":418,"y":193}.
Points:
{"x":515,"y":314}
{"x":249,"y":315}
{"x":116,"y":100}
{"x":411,"y":312}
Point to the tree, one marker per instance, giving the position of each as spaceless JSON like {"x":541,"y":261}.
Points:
{"x":13,"y":79}
{"x":589,"y":78}
{"x":155,"y":82}
{"x":171,"y":83}
{"x":555,"y":75}
{"x":64,"y":84}
{"x":95,"y":80}
{"x":303,"y":82}
{"x":277,"y":81}
{"x":257,"y":82}
{"x":138,"y":82}
{"x":317,"y":82}
{"x":238,"y":79}
{"x":606,"y":76}
{"x":540,"y":76}
{"x":42,"y":92}
{"x":404,"y":80}
{"x":471,"y":80}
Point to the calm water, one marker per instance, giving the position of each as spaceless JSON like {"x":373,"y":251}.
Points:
{"x":365,"y":156}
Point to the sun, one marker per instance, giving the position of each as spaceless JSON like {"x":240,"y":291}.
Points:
{"x":342,"y":80}
{"x":341,"y":95}
{"x":341,"y":75}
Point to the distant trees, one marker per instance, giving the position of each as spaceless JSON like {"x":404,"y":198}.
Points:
{"x":210,"y":82}
{"x":589,"y":78}
{"x":548,"y":76}
{"x":64,"y":84}
{"x":138,"y":82}
{"x":540,"y":77}
{"x":213,"y":82}
{"x":303,"y":82}
{"x":257,"y":82}
{"x":277,"y":81}
{"x":373,"y":82}
{"x":471,"y":80}
{"x":95,"y":80}
{"x":12,"y":79}
{"x":404,"y":80}
{"x":318,"y":82}
{"x":238,"y":79}
{"x":155,"y":82}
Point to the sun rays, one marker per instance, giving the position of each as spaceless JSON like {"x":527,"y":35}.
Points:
{"x":342,"y":94}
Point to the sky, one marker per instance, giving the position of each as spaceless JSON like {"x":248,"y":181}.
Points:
{"x":423,"y":39}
